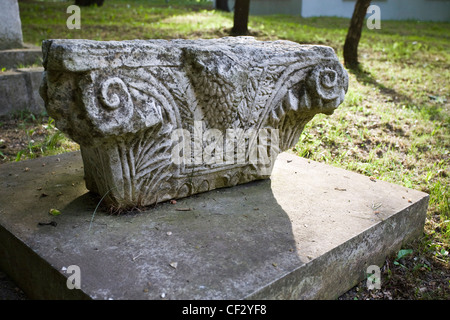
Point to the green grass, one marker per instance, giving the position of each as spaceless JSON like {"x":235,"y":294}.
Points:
{"x":37,"y":135}
{"x":393,"y":125}
{"x":119,"y":20}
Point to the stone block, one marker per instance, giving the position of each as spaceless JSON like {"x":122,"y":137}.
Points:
{"x":19,"y":58}
{"x":159,"y":120}
{"x":309,"y":232}
{"x":10,"y":26}
{"x":19,"y":91}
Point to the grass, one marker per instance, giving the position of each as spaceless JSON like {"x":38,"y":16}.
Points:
{"x":393,"y":125}
{"x":26,"y":136}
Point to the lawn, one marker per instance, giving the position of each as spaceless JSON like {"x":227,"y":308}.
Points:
{"x":394,"y":124}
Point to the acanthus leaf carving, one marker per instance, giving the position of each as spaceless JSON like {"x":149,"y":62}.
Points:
{"x":247,"y":97}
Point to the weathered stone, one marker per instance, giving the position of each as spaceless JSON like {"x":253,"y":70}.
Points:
{"x":19,"y":91}
{"x":10,"y":26}
{"x":161,"y":119}
{"x":16,"y":58}
{"x":311,"y":238}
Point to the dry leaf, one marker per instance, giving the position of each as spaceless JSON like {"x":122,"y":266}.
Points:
{"x":183,"y":209}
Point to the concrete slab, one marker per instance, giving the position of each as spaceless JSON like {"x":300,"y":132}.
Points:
{"x":16,"y":58}
{"x":19,"y":91}
{"x":309,"y":232}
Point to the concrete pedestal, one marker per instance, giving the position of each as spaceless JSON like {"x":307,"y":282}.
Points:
{"x":309,"y":232}
{"x":19,"y":84}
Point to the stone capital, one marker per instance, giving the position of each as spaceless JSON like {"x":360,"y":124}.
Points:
{"x":158,"y":119}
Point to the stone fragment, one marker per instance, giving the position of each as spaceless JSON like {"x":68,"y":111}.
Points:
{"x":10,"y":26}
{"x":159,"y":120}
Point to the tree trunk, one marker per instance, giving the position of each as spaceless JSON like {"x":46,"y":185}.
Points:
{"x":354,"y":34}
{"x":222,"y":5}
{"x":240,"y":23}
{"x":85,"y":3}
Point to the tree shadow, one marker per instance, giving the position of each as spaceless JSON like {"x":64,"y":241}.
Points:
{"x":400,"y":99}
{"x":366,"y":78}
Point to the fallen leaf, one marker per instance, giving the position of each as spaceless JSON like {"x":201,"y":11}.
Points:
{"x":174,"y":265}
{"x":54,"y":212}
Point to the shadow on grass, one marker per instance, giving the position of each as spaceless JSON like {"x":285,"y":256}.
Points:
{"x":366,"y":78}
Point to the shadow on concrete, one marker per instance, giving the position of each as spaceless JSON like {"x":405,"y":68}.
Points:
{"x":229,"y":244}
{"x":307,"y":233}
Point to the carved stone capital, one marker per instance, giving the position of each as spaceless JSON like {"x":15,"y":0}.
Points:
{"x":158,"y":119}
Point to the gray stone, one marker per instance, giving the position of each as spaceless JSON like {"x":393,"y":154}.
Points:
{"x":19,"y":91}
{"x":10,"y":26}
{"x":311,"y":238}
{"x":19,"y":85}
{"x":159,"y":120}
{"x":19,"y":58}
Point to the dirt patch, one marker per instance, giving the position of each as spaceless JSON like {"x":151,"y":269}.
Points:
{"x":15,"y":136}
{"x":9,"y":290}
{"x":416,"y":276}
{"x":29,"y":136}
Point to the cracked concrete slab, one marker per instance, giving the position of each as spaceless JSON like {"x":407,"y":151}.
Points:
{"x":308,"y":232}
